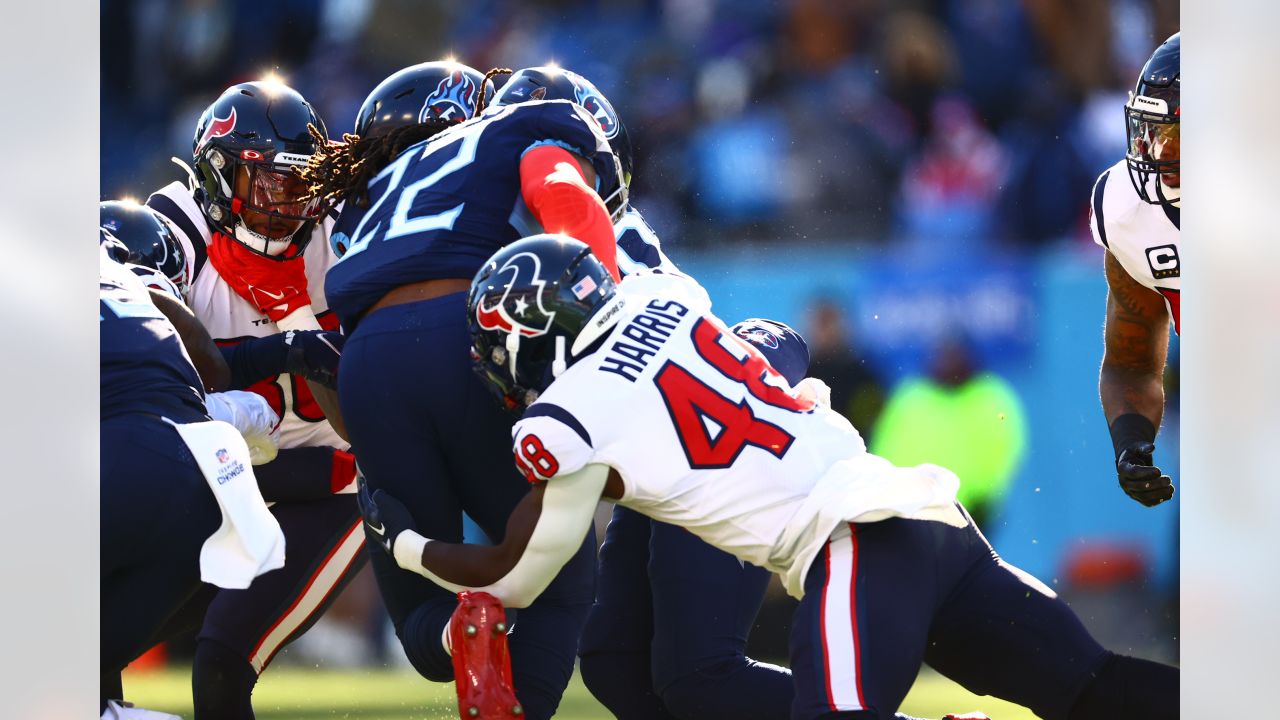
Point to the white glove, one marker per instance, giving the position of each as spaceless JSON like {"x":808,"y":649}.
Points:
{"x":812,"y":388}
{"x":251,"y":414}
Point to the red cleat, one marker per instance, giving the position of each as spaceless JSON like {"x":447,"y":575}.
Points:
{"x":481,"y":662}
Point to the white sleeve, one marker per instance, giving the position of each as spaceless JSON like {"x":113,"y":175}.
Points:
{"x":549,"y":442}
{"x":568,"y":507}
{"x":1097,"y":219}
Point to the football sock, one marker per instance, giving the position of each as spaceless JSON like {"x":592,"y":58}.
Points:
{"x":623,"y":684}
{"x":221,"y":683}
{"x":737,"y":687}
{"x":1128,"y":688}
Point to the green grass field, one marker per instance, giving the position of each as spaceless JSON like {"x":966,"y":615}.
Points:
{"x":293,"y":693}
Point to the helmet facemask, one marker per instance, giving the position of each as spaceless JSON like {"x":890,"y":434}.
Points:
{"x":260,"y":202}
{"x":1154,"y":148}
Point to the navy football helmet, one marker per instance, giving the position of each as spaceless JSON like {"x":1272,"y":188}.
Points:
{"x":553,"y":83}
{"x":536,"y":307}
{"x":1152,"y":122}
{"x":246,"y":149}
{"x":783,"y":347}
{"x":146,"y":240}
{"x":443,"y":90}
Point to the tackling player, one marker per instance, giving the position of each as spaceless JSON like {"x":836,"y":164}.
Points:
{"x":889,"y":569}
{"x":416,"y":227}
{"x":1138,"y":224}
{"x":258,"y":253}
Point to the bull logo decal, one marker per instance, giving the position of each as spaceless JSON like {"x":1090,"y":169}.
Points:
{"x":218,"y":127}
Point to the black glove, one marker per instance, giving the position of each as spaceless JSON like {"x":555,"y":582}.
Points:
{"x":314,"y":354}
{"x":1141,"y":480}
{"x":384,"y":516}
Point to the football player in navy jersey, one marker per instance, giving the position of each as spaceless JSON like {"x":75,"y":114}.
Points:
{"x":422,"y":424}
{"x":156,"y":508}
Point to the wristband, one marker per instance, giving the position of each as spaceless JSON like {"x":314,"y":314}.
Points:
{"x":407,"y":549}
{"x":1129,"y":429}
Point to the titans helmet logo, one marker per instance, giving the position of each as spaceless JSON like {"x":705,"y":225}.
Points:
{"x":591,"y":99}
{"x":520,"y":311}
{"x":454,"y":99}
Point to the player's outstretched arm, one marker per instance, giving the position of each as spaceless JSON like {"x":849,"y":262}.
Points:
{"x":1131,"y":382}
{"x":204,"y":354}
{"x":544,"y":531}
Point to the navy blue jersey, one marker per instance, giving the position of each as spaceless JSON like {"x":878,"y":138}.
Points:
{"x":144,"y":368}
{"x":445,"y":205}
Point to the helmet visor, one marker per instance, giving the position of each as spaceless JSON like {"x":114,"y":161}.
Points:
{"x":1154,"y":142}
{"x":277,"y":190}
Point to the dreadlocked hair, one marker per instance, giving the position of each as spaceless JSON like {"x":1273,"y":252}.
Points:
{"x":483,"y":102}
{"x":341,"y":170}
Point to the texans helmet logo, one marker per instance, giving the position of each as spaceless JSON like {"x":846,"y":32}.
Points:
{"x":452,"y":100}
{"x":514,"y":312}
{"x":218,"y":127}
{"x":591,"y":99}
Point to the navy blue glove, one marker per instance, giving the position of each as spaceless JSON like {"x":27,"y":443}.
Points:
{"x":384,"y":516}
{"x":1140,"y":479}
{"x":314,"y":354}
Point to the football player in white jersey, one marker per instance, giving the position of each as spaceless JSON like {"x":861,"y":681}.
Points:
{"x":637,"y":393}
{"x":258,"y":253}
{"x":1138,"y":224}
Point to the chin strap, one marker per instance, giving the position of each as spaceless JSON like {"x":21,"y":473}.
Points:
{"x":559,"y":365}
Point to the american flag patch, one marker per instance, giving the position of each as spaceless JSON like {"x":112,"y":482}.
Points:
{"x":584,"y":288}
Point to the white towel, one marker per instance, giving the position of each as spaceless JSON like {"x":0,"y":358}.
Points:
{"x":250,"y":541}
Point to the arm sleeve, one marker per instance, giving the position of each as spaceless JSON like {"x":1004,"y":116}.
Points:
{"x":1097,"y":220}
{"x":255,"y":359}
{"x":568,"y":507}
{"x":554,"y":188}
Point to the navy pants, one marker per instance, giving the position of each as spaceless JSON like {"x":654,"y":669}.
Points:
{"x":156,"y":512}
{"x":323,"y":541}
{"x":427,"y":430}
{"x":883,"y":597}
{"x":667,"y":635}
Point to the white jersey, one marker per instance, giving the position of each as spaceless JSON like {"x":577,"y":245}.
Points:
{"x":229,"y":317}
{"x":638,"y":245}
{"x":1142,"y":237}
{"x":706,"y":435}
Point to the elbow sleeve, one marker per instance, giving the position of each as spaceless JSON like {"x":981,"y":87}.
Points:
{"x":554,"y":188}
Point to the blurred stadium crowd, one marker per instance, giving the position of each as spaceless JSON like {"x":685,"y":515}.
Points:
{"x":931,"y":120}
